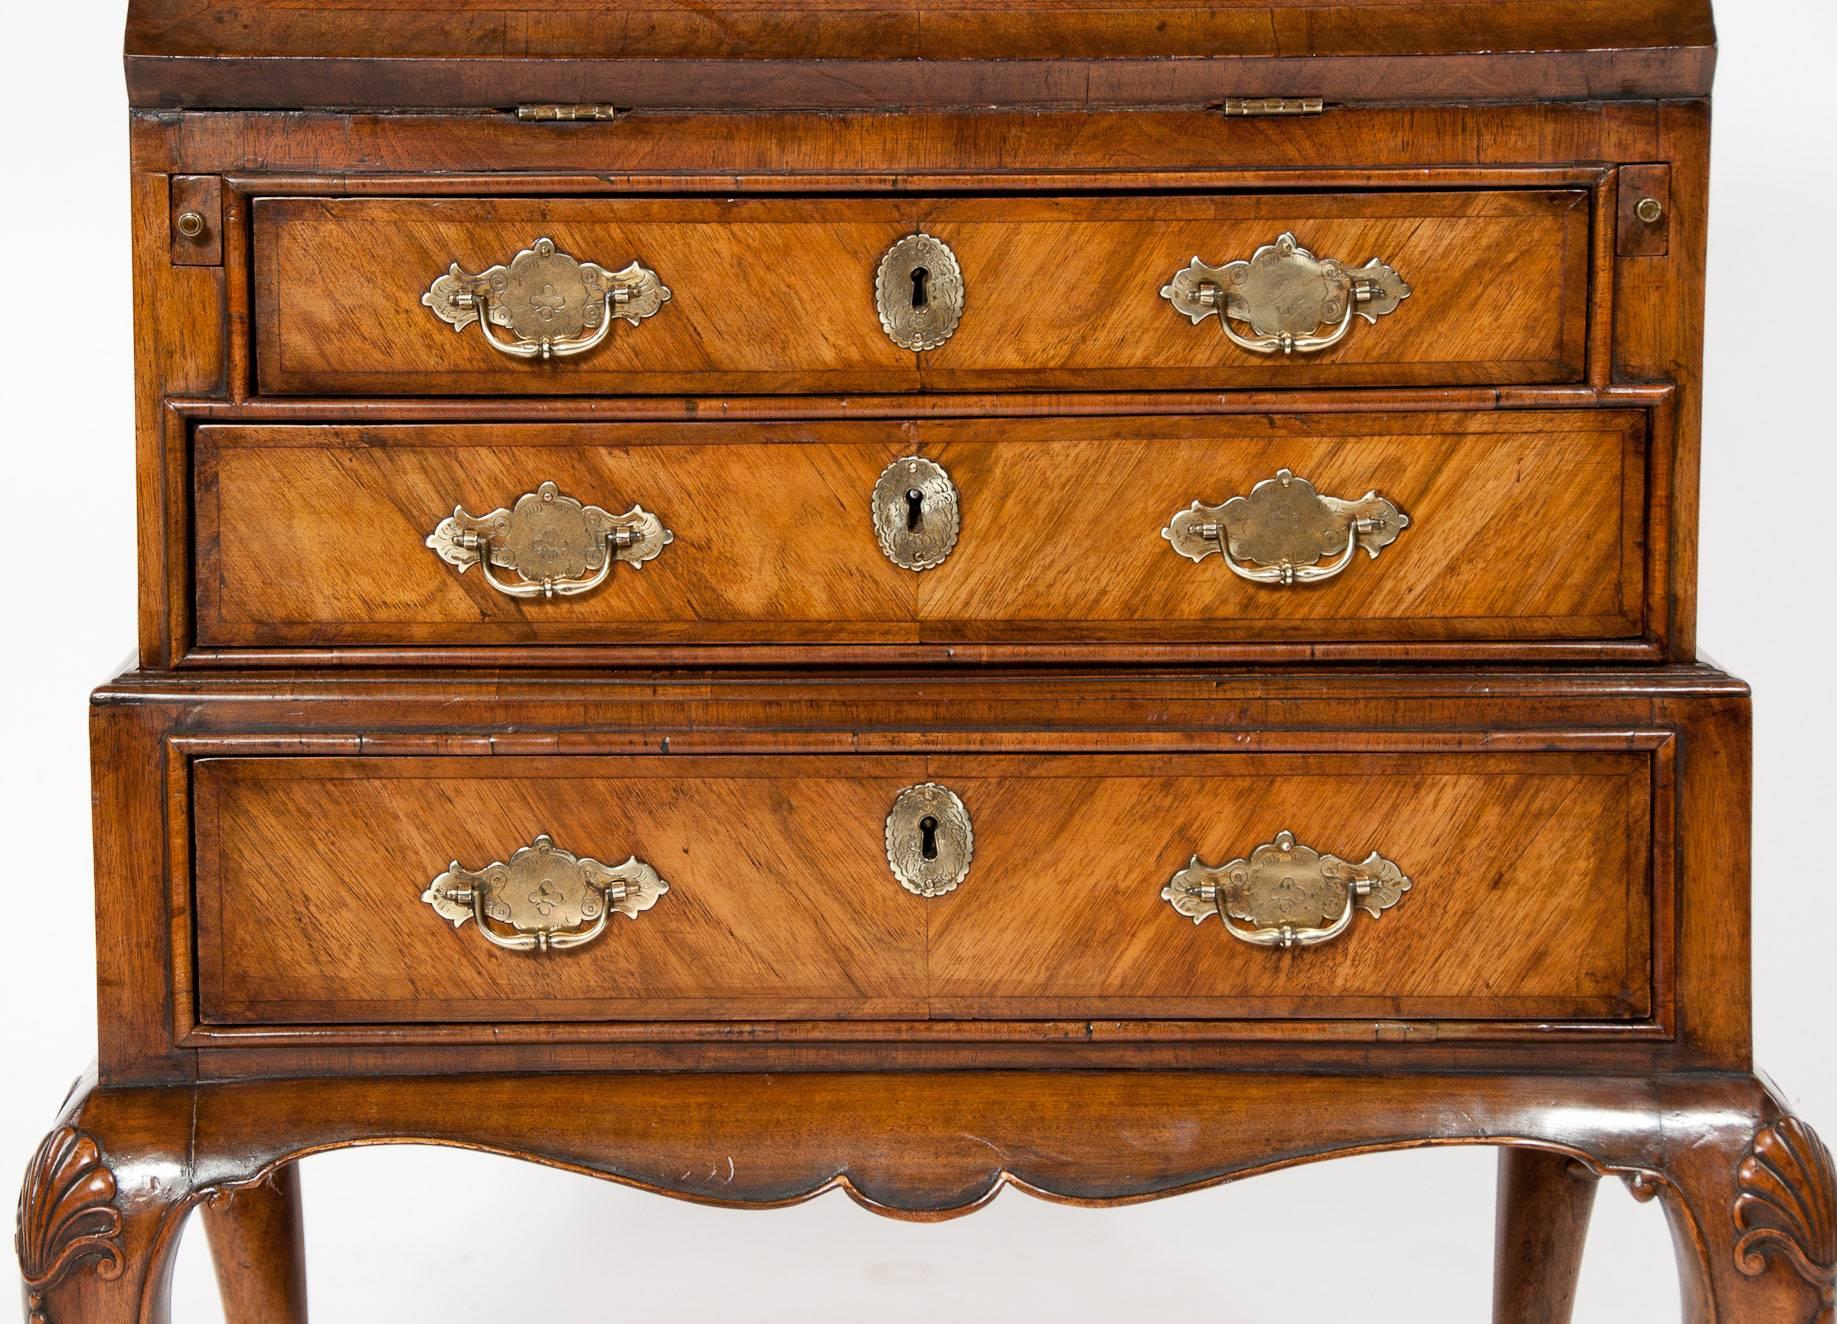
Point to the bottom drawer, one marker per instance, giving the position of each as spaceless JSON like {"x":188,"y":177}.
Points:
{"x":1514,"y":879}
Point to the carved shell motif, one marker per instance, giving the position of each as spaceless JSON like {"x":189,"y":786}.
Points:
{"x":67,"y":1216}
{"x":1788,"y":1205}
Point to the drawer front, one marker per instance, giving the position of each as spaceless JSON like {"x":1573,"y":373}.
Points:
{"x":772,"y":295}
{"x":1518,"y":887}
{"x":1521,"y":527}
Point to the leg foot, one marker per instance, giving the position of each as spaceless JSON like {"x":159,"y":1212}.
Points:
{"x":1752,"y":1202}
{"x":100,"y":1210}
{"x":1544,"y":1204}
{"x":257,"y":1244}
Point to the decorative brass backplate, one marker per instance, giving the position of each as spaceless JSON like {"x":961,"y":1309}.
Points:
{"x":919,"y":292}
{"x":1286,"y":294}
{"x":916,"y":514}
{"x":555,"y":545}
{"x":1286,"y":894}
{"x":554,"y":305}
{"x":929,"y":841}
{"x":1279,"y":533}
{"x":544,"y":899}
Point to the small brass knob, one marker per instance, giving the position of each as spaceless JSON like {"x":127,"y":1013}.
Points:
{"x":1650,"y":210}
{"x":191,"y":224}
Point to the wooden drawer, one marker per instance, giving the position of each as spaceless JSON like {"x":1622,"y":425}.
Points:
{"x":773,"y":295}
{"x":1530,"y":886}
{"x":1526,"y":530}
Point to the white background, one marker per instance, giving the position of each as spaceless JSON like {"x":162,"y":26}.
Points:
{"x":1395,"y":1237}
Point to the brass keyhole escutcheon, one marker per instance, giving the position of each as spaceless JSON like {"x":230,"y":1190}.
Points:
{"x":916,"y":513}
{"x":929,"y":842}
{"x":918,"y":292}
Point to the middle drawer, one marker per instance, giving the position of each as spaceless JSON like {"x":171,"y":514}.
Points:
{"x":1370,"y":533}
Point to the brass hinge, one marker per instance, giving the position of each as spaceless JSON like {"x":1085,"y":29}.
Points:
{"x":561,"y":113}
{"x":1272,"y":106}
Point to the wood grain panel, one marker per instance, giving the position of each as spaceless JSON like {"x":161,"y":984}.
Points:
{"x":766,"y":294}
{"x":310,"y":873}
{"x":1065,"y":292}
{"x":1522,"y":525}
{"x":1531,"y":897}
{"x":317,"y":534}
{"x":776,"y":295}
{"x":1526,"y":525}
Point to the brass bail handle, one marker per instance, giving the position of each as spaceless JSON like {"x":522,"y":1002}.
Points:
{"x":1279,"y":533}
{"x":1286,"y":294}
{"x":554,"y":305}
{"x":543,"y":899}
{"x":1284,"y":894}
{"x":557,"y":546}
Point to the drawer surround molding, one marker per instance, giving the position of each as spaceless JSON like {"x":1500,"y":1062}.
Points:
{"x":868,"y":733}
{"x":1656,"y":604}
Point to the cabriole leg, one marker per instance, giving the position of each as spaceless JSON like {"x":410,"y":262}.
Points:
{"x":100,"y":1211}
{"x":1753,"y":1210}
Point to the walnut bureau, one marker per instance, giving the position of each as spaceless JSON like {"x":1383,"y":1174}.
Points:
{"x":883,"y":580}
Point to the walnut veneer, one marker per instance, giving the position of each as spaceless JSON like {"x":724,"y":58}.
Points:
{"x":360,"y":812}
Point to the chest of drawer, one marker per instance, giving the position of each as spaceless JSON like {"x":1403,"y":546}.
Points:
{"x":1504,"y":885}
{"x":766,"y":295}
{"x":1361,"y":532}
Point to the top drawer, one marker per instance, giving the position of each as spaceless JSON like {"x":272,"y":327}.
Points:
{"x":780,"y":294}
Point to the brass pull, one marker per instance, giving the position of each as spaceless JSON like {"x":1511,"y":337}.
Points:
{"x":1279,"y":533}
{"x":929,"y":839}
{"x":1286,"y":294}
{"x":916,"y":513}
{"x":1285,"y":894}
{"x":544,"y":899}
{"x":555,"y":545}
{"x":554,"y":305}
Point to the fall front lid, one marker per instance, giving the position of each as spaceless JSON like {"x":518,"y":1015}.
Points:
{"x":254,"y":54}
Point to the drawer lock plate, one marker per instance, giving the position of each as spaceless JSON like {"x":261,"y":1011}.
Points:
{"x":919,"y":292}
{"x":1286,"y":894}
{"x":929,"y":841}
{"x":544,"y":899}
{"x":916,"y":514}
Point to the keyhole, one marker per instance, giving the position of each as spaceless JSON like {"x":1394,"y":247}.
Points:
{"x":928,"y":837}
{"x":915,"y":510}
{"x":919,"y":297}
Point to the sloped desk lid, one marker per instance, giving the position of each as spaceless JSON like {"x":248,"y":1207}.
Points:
{"x":865,"y":54}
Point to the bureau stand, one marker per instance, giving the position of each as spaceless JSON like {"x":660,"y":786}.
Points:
{"x":915,"y":596}
{"x":1739,"y":1179}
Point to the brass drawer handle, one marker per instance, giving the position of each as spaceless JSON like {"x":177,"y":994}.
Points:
{"x":556,"y":546}
{"x":1286,"y":294}
{"x":1285,"y":894}
{"x":554,"y":305}
{"x":929,"y":839}
{"x":916,"y":513}
{"x":1279,"y":533}
{"x":544,"y":899}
